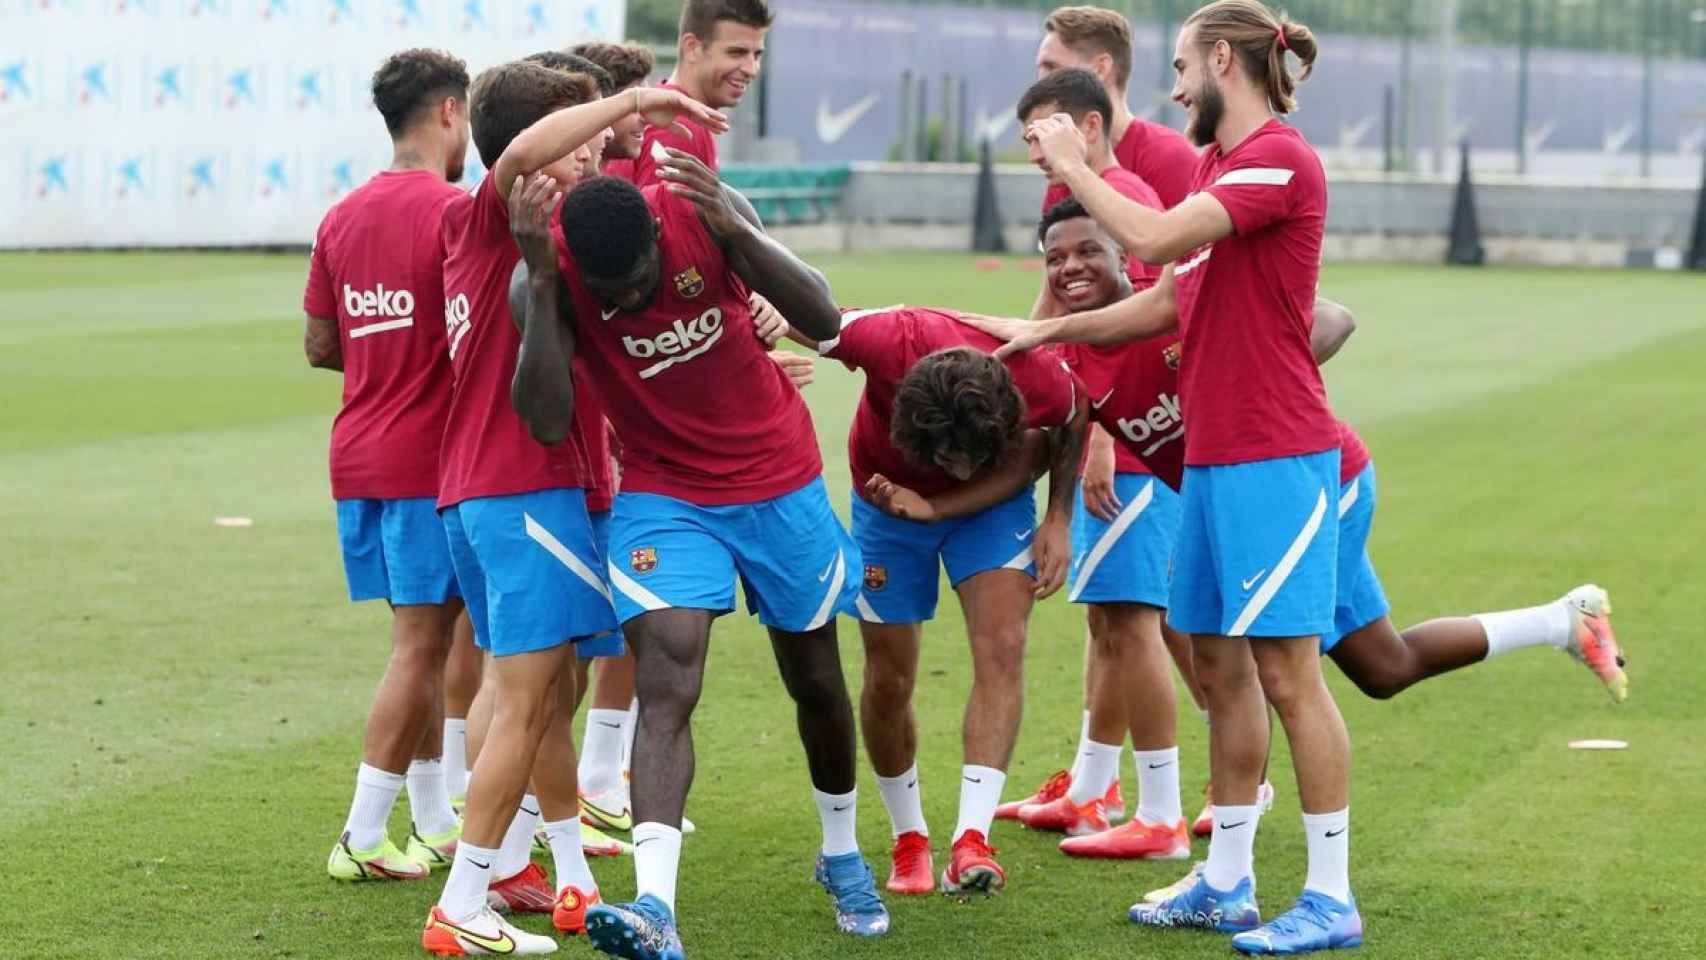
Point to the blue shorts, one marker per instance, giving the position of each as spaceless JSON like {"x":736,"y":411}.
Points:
{"x":901,"y":556}
{"x":790,"y":553}
{"x":1361,"y":601}
{"x":395,"y":550}
{"x":529,"y":570}
{"x":605,"y":644}
{"x":1126,"y":561}
{"x":1258,"y":549}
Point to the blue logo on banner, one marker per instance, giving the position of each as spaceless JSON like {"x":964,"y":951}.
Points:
{"x":342,"y":10}
{"x":130,"y":177}
{"x":167,"y":87}
{"x":273,"y":178}
{"x":593,"y":19}
{"x":199,"y":7}
{"x":239,"y":89}
{"x":201,"y":176}
{"x":275,"y":10}
{"x":536,"y":19}
{"x":308,"y":91}
{"x":473,"y":15}
{"x":94,"y":84}
{"x":52,"y":177}
{"x":12,"y":82}
{"x":409,"y":13}
{"x":342,"y":179}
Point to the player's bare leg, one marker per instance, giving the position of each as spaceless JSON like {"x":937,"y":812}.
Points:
{"x":461,"y":684}
{"x":891,"y":742}
{"x":1238,"y":748}
{"x":997,"y":605}
{"x":403,"y":708}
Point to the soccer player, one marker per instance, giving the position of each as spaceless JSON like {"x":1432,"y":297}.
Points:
{"x":513,"y":504}
{"x":629,"y":65}
{"x":716,"y":482}
{"x":720,"y":48}
{"x":1099,"y":40}
{"x":374,"y":302}
{"x":938,"y":410}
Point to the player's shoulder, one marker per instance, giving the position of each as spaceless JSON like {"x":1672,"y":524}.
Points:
{"x":1274,"y":144}
{"x":1132,"y":187}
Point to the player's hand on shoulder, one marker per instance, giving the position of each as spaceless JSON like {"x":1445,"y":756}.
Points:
{"x":531,"y":202}
{"x":687,"y":177}
{"x":898,"y":501}
{"x":767,"y":322}
{"x":1059,"y":140}
{"x":801,"y":369}
{"x":663,"y":107}
{"x":1019,"y":334}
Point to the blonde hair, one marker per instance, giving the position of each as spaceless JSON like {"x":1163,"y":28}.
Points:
{"x":1260,"y":39}
{"x":1095,"y":30}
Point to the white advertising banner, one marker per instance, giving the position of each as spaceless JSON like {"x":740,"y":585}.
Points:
{"x":222,"y":122}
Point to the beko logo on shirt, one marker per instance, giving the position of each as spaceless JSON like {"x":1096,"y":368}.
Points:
{"x":456,"y":324}
{"x":1161,"y":423}
{"x":684,"y":340}
{"x":390,"y":309}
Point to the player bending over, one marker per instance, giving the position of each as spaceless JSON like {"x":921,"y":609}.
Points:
{"x":938,"y":410}
{"x":715,"y":482}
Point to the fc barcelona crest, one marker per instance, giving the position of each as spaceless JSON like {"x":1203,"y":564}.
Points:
{"x":689,"y":283}
{"x":1171,"y":355}
{"x":875,"y":577}
{"x":643,"y":559}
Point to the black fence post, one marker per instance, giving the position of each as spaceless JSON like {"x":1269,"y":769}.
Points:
{"x":1465,"y":249}
{"x":986,"y":216}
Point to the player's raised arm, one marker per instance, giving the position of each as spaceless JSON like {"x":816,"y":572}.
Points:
{"x":562,"y":132}
{"x":1150,"y":235}
{"x":543,"y":388}
{"x":796,"y":289}
{"x":1334,"y":324}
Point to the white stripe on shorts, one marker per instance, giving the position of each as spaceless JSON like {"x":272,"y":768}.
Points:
{"x":639,"y":595}
{"x":835,"y":583}
{"x":1348,"y":499}
{"x":555,"y":548}
{"x":1282,"y":570}
{"x":866,"y":612}
{"x":1111,"y":536}
{"x":1019,"y":562}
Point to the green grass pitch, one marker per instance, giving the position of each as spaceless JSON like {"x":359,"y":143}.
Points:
{"x":182,"y":702}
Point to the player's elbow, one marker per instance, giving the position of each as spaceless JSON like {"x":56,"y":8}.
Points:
{"x":322,"y":354}
{"x":821,"y":320}
{"x":548,"y":419}
{"x":549,"y":431}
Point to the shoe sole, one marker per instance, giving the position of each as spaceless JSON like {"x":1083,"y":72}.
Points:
{"x":1350,"y":944}
{"x":611,"y":936}
{"x":975,"y":880}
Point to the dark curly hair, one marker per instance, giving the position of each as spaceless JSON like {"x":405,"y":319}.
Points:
{"x":954,"y":403}
{"x":608,"y":226}
{"x":1068,"y":209}
{"x":627,"y":63}
{"x":575,"y":63}
{"x":411,"y":80}
{"x":511,"y":97}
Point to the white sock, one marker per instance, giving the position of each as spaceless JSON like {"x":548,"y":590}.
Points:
{"x":1098,"y":765}
{"x":657,"y":856}
{"x":633,"y":724}
{"x":517,"y":847}
{"x":1158,"y":785}
{"x":1232,"y":849}
{"x":601,"y":750}
{"x":456,"y":756}
{"x":1509,"y":630}
{"x":1329,"y":853}
{"x":839,"y":814}
{"x":375,"y":793}
{"x":464,"y":891}
{"x":980,"y":794}
{"x":567,"y":855}
{"x":429,"y":801}
{"x":1083,"y":746}
{"x":904,"y":801}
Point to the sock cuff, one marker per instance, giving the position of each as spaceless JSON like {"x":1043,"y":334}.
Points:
{"x":830,"y":798}
{"x":900,"y":779}
{"x":1229,"y":812}
{"x":428,"y":767}
{"x":1327,"y":819}
{"x":375,"y":777}
{"x":456,"y":723}
{"x":652,"y":830}
{"x":982,"y":773}
{"x":487,"y":854}
{"x":607,"y":716}
{"x":1171,"y":753}
{"x":554,"y":827}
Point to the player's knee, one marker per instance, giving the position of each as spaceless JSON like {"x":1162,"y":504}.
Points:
{"x":1000,"y":655}
{"x":667,"y":698}
{"x":1285,"y":684}
{"x":886,"y":688}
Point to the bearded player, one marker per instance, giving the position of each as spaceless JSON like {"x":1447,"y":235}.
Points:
{"x":719,"y":53}
{"x":717,"y":483}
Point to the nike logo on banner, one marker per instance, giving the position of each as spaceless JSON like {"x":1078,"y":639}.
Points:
{"x":1097,"y":404}
{"x":1157,"y":766}
{"x":607,"y":314}
{"x":1229,"y":826}
{"x":832,"y":125}
{"x":1252,"y":581}
{"x":1334,"y":833}
{"x":1022,"y":534}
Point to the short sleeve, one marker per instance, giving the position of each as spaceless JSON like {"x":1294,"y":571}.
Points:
{"x":1050,"y":388}
{"x":686,"y":136}
{"x":320,"y":297}
{"x":865,"y":342}
{"x":1262,"y":184}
